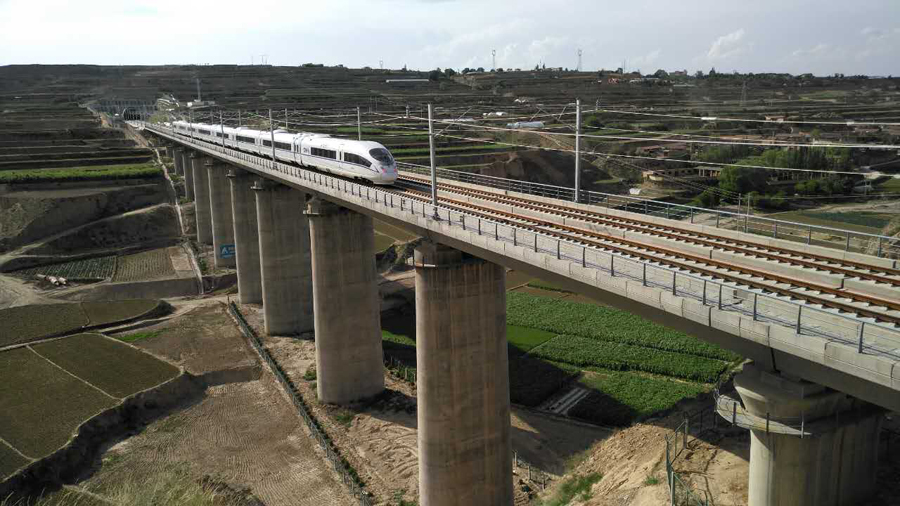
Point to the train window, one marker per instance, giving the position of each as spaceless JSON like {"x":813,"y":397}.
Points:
{"x":324,"y":153}
{"x":246,"y":139}
{"x":382,"y":155}
{"x":266,"y":143}
{"x":358,"y":160}
{"x":283,"y":145}
{"x":204,"y":132}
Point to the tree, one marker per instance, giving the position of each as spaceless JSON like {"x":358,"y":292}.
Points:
{"x":449,"y":72}
{"x":709,"y":199}
{"x":743,"y":179}
{"x":434,"y":75}
{"x":712,"y":72}
{"x":480,"y":69}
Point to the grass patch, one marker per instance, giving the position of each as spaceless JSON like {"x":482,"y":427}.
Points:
{"x":576,"y":487}
{"x":113,"y":367}
{"x":651,"y":480}
{"x":586,"y":352}
{"x":139,"y":336}
{"x":344,"y":417}
{"x":525,"y":338}
{"x":545,"y":285}
{"x":866,"y":222}
{"x":310,"y":373}
{"x":603,"y":324}
{"x":48,"y":402}
{"x":23,"y":324}
{"x":132,"y":171}
{"x":619,"y":398}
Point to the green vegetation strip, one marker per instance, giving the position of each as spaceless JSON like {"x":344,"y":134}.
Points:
{"x":603,"y":324}
{"x":23,"y":324}
{"x":586,"y":352}
{"x":10,"y":461}
{"x":618,"y":398}
{"x":137,"y":171}
{"x":115,"y":368}
{"x":42,"y":404}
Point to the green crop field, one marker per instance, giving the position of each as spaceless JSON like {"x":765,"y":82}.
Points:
{"x":115,"y":368}
{"x":135,"y":171}
{"x":101,"y":313}
{"x":618,"y":398}
{"x":603,"y":324}
{"x":586,"y":352}
{"x":525,"y":338}
{"x":42,"y":404}
{"x":10,"y":461}
{"x":92,"y":268}
{"x":28,"y":323}
{"x":147,"y":265}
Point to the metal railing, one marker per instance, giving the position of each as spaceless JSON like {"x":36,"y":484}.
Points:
{"x":339,"y":464}
{"x":865,"y":337}
{"x":680,"y":493}
{"x":816,"y":235}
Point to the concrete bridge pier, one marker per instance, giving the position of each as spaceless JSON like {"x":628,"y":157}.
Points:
{"x":187,"y":167}
{"x":834,"y":463}
{"x":284,"y":259}
{"x":201,"y":198}
{"x":465,"y":453}
{"x":246,"y":237}
{"x":349,"y":357}
{"x":177,"y":160}
{"x":220,"y":213}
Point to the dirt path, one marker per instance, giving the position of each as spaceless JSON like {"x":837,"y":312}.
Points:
{"x":16,"y":292}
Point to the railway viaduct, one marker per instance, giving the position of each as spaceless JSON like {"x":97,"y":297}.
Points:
{"x":818,"y":324}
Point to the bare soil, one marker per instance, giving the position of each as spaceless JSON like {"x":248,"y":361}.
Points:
{"x":243,"y":433}
{"x":381,"y":439}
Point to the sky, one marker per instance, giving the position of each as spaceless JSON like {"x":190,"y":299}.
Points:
{"x":796,"y":36}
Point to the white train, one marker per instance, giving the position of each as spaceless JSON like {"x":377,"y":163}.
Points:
{"x":356,"y":159}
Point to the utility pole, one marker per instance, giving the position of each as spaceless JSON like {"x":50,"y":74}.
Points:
{"x":358,"y":124}
{"x":493,"y":59}
{"x":191,"y":112}
{"x":285,"y":118}
{"x":579,"y":60}
{"x":199,"y":97}
{"x":222,"y":128}
{"x":239,"y":118}
{"x":272,"y":134}
{"x":577,"y":149}
{"x":433,"y":163}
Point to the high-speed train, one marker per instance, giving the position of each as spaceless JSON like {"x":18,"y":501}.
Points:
{"x":356,"y":159}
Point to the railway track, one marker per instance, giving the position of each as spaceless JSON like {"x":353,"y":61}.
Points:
{"x":716,"y":269}
{"x":849,"y":268}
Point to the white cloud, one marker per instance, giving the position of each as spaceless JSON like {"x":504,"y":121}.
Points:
{"x":727,"y":46}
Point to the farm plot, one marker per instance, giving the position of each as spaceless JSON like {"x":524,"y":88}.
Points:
{"x":89,"y":269}
{"x":145,"y":266}
{"x":586,"y":352}
{"x":115,"y":368}
{"x":106,"y":312}
{"x":23,"y":324}
{"x":10,"y":460}
{"x":603,"y":324}
{"x":618,"y":398}
{"x":42,"y":404}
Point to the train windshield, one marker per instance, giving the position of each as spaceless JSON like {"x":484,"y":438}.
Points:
{"x":382,"y":155}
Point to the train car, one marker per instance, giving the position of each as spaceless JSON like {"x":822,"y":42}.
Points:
{"x":345,"y":157}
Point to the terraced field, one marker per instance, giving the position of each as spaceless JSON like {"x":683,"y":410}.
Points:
{"x":24,"y":324}
{"x":144,"y":266}
{"x":125,"y":370}
{"x":48,"y":403}
{"x":89,"y":269}
{"x":50,"y":389}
